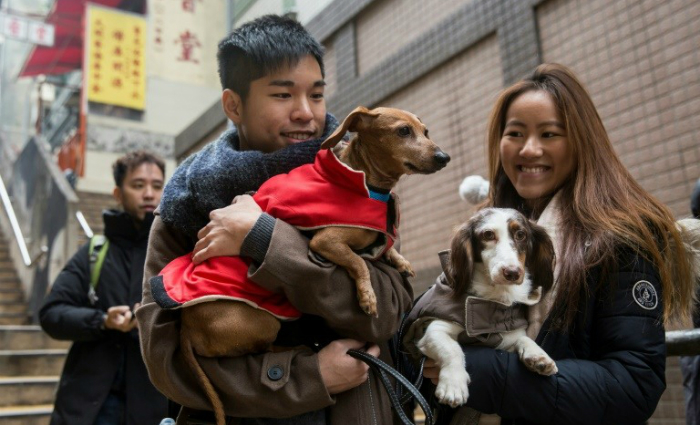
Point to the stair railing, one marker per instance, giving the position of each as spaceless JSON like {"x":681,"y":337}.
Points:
{"x":84,"y":224}
{"x":19,"y":238}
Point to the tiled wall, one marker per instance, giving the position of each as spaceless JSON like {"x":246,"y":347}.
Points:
{"x":446,"y":61}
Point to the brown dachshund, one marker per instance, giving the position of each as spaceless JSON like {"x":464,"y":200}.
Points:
{"x":388,"y":144}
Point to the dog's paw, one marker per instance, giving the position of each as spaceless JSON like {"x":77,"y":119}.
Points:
{"x":538,"y":361}
{"x":453,"y":389}
{"x":404,"y":267}
{"x":368,"y":302}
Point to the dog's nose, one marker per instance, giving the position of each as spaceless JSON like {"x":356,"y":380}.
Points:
{"x":441,"y":158}
{"x":512,"y":274}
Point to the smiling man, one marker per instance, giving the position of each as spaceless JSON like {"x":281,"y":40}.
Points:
{"x":104,"y":380}
{"x":272,"y":78}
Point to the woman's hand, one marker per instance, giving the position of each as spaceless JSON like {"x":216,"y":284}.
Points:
{"x":431,"y":371}
{"x":227,"y":229}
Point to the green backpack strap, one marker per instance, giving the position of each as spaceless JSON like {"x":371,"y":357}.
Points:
{"x":99,"y":244}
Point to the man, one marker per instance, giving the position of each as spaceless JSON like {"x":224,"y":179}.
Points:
{"x":271,"y":71}
{"x":104,"y":380}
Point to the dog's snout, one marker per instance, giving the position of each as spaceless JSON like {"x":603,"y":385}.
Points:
{"x":441,"y":158}
{"x":512,"y":274}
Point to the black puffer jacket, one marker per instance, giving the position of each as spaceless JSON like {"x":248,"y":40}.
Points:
{"x":611,"y":364}
{"x":97,"y":354}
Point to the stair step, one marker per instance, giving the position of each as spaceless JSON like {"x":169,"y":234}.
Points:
{"x":43,"y":362}
{"x":13,"y":307}
{"x":11,"y":295}
{"x":27,"y":390}
{"x":26,"y":415}
{"x":23,"y":337}
{"x":14,"y":319}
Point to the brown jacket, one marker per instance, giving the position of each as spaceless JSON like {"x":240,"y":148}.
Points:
{"x":314,"y":287}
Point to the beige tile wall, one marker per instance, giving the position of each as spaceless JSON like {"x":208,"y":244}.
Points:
{"x":640,"y":61}
{"x":388,"y":25}
{"x":453,"y":101}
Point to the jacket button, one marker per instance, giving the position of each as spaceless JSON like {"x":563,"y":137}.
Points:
{"x":275,"y":373}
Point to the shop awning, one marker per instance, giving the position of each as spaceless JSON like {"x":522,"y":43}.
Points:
{"x":67,"y":52}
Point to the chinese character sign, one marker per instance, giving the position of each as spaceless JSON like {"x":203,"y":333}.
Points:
{"x":115,"y":53}
{"x":183,"y":37}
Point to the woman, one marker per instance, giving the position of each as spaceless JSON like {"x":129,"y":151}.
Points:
{"x":620,"y":273}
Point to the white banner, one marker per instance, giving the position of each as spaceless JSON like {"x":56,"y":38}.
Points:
{"x":24,"y":29}
{"x":183,"y":36}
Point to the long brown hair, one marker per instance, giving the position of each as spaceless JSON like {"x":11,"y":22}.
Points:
{"x":604,"y":208}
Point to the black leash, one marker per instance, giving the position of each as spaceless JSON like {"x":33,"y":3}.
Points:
{"x":383,"y":370}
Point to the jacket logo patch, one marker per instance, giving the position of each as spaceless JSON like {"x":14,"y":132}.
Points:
{"x":644,"y":295}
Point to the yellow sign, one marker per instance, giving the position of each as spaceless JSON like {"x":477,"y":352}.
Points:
{"x":114,"y":57}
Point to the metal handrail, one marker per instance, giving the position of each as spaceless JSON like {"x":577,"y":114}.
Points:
{"x":683,"y":343}
{"x":84,"y":224}
{"x":21,"y":243}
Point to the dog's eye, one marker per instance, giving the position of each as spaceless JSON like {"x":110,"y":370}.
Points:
{"x":520,"y":235}
{"x":405,"y":131}
{"x":488,"y":235}
{"x":426,"y":132}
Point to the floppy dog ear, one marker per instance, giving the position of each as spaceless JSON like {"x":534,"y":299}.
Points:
{"x":540,"y":259}
{"x":351,"y":123}
{"x":461,"y":265}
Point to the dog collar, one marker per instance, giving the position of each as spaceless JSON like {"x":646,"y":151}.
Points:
{"x":379,"y":194}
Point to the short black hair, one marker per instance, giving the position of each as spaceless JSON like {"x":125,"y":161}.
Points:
{"x":132,"y":160}
{"x":261,"y":47}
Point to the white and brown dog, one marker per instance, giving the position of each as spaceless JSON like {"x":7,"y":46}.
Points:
{"x":499,"y":264}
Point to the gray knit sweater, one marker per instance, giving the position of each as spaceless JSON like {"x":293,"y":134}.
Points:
{"x":212,"y":177}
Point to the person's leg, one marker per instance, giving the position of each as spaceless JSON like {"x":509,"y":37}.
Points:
{"x":112,"y":411}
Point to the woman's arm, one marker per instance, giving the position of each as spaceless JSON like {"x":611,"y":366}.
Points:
{"x":620,"y":381}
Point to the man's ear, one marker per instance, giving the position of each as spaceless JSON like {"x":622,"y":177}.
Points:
{"x":233,"y":105}
{"x":117,"y":193}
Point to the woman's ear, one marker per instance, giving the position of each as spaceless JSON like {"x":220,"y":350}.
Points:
{"x":459,"y":271}
{"x":540,"y":259}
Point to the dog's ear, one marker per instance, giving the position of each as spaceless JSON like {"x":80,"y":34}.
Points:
{"x":351,"y":123}
{"x":461,"y":265}
{"x":540,"y":258}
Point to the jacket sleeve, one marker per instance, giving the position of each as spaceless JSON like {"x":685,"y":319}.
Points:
{"x":66,"y":313}
{"x":620,"y":383}
{"x":242,"y":382}
{"x":316,"y":286}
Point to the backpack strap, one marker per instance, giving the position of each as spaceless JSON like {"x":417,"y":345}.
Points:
{"x":99,"y":244}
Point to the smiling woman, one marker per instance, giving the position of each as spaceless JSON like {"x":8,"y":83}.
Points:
{"x":618,"y":261}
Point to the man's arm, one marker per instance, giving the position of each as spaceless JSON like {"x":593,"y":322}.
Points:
{"x":243,"y":383}
{"x":66,"y":313}
{"x":283,"y":263}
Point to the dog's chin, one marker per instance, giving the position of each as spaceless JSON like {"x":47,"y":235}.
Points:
{"x":422,"y":169}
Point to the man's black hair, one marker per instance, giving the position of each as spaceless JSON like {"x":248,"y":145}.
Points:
{"x":131,"y":161}
{"x":261,"y":47}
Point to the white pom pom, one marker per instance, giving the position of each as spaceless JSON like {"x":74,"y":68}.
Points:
{"x":474,"y":189}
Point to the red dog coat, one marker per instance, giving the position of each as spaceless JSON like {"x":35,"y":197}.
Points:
{"x":313,"y":196}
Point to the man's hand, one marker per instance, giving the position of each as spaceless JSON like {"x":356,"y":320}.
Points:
{"x":431,"y":370}
{"x":339,"y":371}
{"x":227,"y":229}
{"x":120,"y":318}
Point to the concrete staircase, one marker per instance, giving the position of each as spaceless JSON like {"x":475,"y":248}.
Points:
{"x":30,"y":361}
